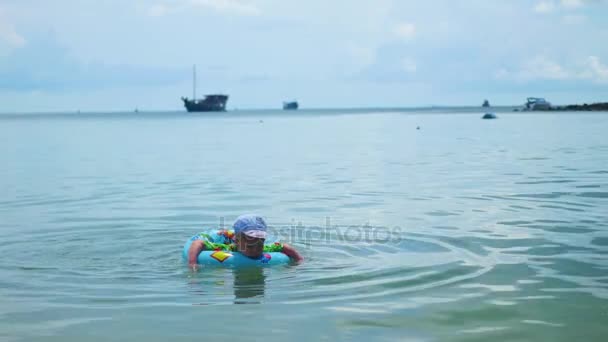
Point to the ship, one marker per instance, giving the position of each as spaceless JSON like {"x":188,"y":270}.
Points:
{"x":209,"y":103}
{"x":291,"y":105}
{"x":537,"y":103}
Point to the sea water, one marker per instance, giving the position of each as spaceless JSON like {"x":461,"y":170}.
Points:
{"x":415,"y":225}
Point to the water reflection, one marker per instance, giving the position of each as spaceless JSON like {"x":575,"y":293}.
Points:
{"x":249,"y":285}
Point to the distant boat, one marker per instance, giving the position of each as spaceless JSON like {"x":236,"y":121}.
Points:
{"x":489,"y":116}
{"x":291,"y":105}
{"x":210,"y":103}
{"x":485,"y":103}
{"x":537,"y":103}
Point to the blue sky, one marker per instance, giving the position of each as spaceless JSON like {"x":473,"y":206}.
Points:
{"x":118,"y":55}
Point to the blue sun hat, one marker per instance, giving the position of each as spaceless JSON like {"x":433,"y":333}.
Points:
{"x":250,"y":225}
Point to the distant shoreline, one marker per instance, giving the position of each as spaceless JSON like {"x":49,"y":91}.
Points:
{"x":594,"y":107}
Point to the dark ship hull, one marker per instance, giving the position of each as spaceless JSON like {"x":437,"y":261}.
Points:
{"x":211,"y":103}
{"x":290,"y":105}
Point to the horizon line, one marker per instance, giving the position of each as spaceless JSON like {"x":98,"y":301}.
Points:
{"x":239,"y":109}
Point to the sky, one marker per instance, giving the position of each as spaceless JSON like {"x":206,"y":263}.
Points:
{"x":114,"y":55}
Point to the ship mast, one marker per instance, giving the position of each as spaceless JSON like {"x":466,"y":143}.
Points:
{"x":194,"y":82}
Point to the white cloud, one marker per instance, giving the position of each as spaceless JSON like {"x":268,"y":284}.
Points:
{"x":409,"y":65}
{"x":158,"y":10}
{"x":502,"y":74}
{"x":544,"y":7}
{"x":8,"y":34}
{"x":599,"y":71}
{"x":572,"y":3}
{"x":228,"y":6}
{"x":543,"y":68}
{"x":361,"y":56}
{"x":574,"y":19}
{"x":547,"y":6}
{"x":240,"y":7}
{"x":537,"y":68}
{"x":405,"y":31}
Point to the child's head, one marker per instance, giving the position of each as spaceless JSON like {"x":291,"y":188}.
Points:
{"x":250,"y":234}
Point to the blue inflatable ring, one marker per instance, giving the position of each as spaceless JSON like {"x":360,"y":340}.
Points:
{"x":234,"y":259}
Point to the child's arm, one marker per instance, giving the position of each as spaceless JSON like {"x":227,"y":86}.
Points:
{"x":292,"y":253}
{"x":195,"y":249}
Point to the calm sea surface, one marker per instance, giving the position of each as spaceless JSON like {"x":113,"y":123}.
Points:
{"x":464,"y":229}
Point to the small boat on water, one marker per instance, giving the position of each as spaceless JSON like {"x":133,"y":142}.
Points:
{"x":537,"y":103}
{"x":489,"y":116}
{"x":290,"y":105}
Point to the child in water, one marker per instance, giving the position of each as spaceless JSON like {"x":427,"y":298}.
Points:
{"x":248,"y":237}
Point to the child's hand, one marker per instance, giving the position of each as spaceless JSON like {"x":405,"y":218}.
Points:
{"x":292,"y":253}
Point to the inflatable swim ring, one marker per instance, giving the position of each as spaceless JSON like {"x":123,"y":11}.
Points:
{"x":219,"y":251}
